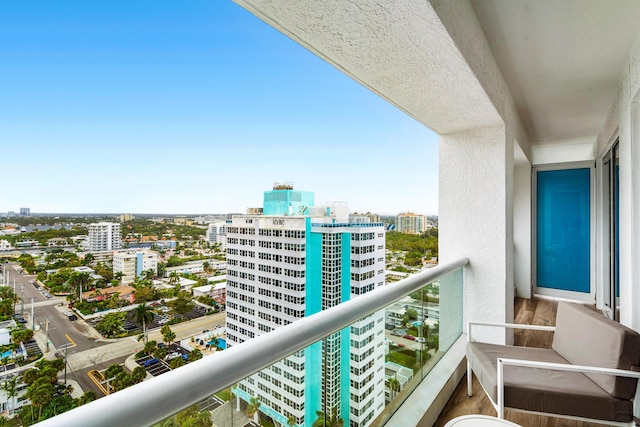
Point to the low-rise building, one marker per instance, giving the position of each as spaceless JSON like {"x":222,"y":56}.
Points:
{"x":57,"y":241}
{"x":396,"y":378}
{"x":123,"y":292}
{"x":133,"y":264}
{"x":217,"y":291}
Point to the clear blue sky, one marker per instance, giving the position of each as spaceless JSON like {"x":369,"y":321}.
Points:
{"x":156,"y":106}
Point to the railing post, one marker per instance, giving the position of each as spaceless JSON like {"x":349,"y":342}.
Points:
{"x":500,"y":389}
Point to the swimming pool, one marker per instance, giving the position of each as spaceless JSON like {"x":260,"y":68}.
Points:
{"x":222,"y":343}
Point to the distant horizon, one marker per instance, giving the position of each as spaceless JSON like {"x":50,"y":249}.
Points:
{"x":198,"y":106}
{"x":97,"y":214}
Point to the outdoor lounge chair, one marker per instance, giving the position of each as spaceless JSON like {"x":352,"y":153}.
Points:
{"x":590,"y":372}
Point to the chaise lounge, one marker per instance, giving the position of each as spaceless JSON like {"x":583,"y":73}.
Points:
{"x":590,"y":372}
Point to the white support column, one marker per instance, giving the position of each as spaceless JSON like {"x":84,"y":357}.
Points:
{"x":522,"y":223}
{"x":476,"y":211}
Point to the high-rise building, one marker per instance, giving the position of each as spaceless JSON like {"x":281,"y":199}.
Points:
{"x":411,"y":223}
{"x":216,"y":233}
{"x":25,"y":211}
{"x":292,"y":261}
{"x":133,"y":264}
{"x":125,"y":217}
{"x":104,"y":236}
{"x":373,"y":217}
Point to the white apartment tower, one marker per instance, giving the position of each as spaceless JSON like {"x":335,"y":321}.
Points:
{"x":216,"y":233}
{"x":134,"y":264}
{"x":411,"y":223}
{"x":292,"y":261}
{"x":104,"y":236}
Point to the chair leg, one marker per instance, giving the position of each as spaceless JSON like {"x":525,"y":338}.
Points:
{"x":469,"y":380}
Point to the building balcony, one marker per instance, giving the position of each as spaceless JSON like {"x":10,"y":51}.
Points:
{"x":523,"y":94}
{"x":403,"y":358}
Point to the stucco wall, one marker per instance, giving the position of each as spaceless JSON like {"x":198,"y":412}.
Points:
{"x":473,"y":214}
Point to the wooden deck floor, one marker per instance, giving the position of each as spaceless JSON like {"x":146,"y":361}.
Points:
{"x":533,"y":312}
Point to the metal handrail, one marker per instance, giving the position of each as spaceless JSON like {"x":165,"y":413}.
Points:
{"x":154,"y":400}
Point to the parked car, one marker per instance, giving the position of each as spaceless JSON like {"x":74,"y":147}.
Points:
{"x":409,"y":337}
{"x":150,"y":362}
{"x":73,"y":317}
{"x":397,"y":333}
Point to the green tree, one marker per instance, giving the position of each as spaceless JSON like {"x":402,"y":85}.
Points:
{"x":253,"y":409}
{"x":174,"y":277}
{"x":143,"y":315}
{"x":8,"y":301}
{"x":88,"y":396}
{"x":40,"y":393}
{"x":19,"y":336}
{"x":190,"y":417}
{"x":394,"y":386}
{"x":328,"y":421}
{"x":177,"y":362}
{"x":111,"y":324}
{"x":144,"y":294}
{"x":412,"y":313}
{"x":10,"y":387}
{"x":79,"y":280}
{"x":168,"y":335}
{"x":150,"y":347}
{"x":148,"y":274}
{"x":195,"y":354}
{"x":182,"y":304}
{"x":138,"y":374}
{"x":88,"y":259}
{"x":160,"y":353}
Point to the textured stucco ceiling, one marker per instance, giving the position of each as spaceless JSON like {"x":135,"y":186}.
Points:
{"x":561,"y":59}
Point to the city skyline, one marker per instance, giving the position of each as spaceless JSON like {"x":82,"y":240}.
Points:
{"x":191,"y":109}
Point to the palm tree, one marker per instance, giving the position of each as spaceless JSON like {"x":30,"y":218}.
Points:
{"x":174,"y":277}
{"x":118,"y":275}
{"x":394,"y":386}
{"x":324,"y":421}
{"x":89,"y":258}
{"x":291,"y":421}
{"x":252,"y":409}
{"x":10,"y":387}
{"x":80,"y":280}
{"x":148,"y":275}
{"x":19,"y":336}
{"x":167,"y":335}
{"x":142,"y":315}
{"x":8,"y":297}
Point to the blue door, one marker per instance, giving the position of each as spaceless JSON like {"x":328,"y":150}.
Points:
{"x":563,"y":228}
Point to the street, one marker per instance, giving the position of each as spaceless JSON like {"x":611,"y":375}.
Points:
{"x":85,"y":348}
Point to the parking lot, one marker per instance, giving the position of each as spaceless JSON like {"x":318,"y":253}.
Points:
{"x":154,"y":366}
{"x":162,"y":317}
{"x":210,"y":403}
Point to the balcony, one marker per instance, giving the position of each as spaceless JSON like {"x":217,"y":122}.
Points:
{"x":515,"y":89}
{"x":398,"y":372}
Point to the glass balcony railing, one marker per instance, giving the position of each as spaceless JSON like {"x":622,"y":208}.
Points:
{"x":357,"y":361}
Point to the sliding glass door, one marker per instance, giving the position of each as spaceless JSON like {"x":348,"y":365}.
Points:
{"x":563,"y":231}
